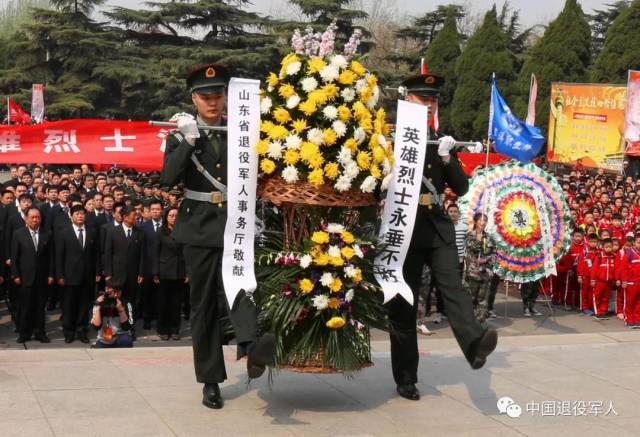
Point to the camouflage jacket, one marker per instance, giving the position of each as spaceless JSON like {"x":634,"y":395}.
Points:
{"x":479,"y":257}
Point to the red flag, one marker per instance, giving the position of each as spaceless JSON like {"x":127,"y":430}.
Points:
{"x":16,"y":114}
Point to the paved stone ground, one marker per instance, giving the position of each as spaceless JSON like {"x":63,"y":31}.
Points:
{"x":69,"y":390}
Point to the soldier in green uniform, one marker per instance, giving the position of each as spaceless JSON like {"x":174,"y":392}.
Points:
{"x":479,"y":258}
{"x":433,"y":243}
{"x":198,"y":159}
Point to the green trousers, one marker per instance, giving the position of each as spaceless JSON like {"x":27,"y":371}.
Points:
{"x":478,"y":289}
{"x":210,"y":312}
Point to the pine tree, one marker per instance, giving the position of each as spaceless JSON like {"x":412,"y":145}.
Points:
{"x":487,"y":51}
{"x":621,"y":50}
{"x":562,"y":54}
{"x":601,"y":20}
{"x":441,"y":58}
{"x":426,"y":27}
{"x":84,"y":7}
{"x":323,"y":12}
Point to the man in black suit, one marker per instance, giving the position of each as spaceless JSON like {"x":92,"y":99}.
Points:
{"x":59,"y":209}
{"x":51,"y":192}
{"x":16,"y":221}
{"x":76,"y":249}
{"x":149,"y":289}
{"x":32,"y":270}
{"x":433,"y":242}
{"x":124,"y":246}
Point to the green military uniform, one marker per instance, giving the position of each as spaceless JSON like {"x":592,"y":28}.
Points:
{"x":433,"y":243}
{"x":529,"y":292}
{"x":200,"y":227}
{"x":477,"y":271}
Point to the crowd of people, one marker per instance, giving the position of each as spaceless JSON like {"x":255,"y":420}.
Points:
{"x":98,"y":245}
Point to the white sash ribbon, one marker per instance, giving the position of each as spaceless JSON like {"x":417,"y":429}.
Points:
{"x":243,"y":131}
{"x":401,"y":203}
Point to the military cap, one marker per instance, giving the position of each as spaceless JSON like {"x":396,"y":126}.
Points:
{"x":119,"y":175}
{"x":208,"y":79}
{"x":423,"y":85}
{"x":165,"y":188}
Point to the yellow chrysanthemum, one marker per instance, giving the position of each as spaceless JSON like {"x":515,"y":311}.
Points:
{"x":331,"y":170}
{"x":291,"y":157}
{"x":316,"y":162}
{"x":315,"y":177}
{"x":347,"y":237}
{"x":365,"y":94}
{"x":266,"y":126}
{"x":360,"y":111}
{"x":347,"y":77}
{"x":347,"y":252}
{"x":319,"y":96}
{"x":357,"y":277}
{"x":281,"y":115}
{"x":335,"y":323}
{"x":373,"y":142}
{"x":367,"y":125}
{"x":308,"y":150}
{"x":306,"y":286}
{"x":344,"y":113}
{"x":364,"y":160}
{"x":289,"y":59}
{"x":320,"y":237}
{"x":262,"y":147}
{"x":278,"y":132}
{"x":334,"y":303}
{"x":267,"y":166}
{"x":299,"y":125}
{"x":378,"y":154}
{"x":372,"y":80}
{"x":308,"y":106}
{"x":336,"y":261}
{"x":330,"y":137}
{"x":336,"y":285}
{"x":321,"y":259}
{"x":315,"y":64}
{"x":331,"y":90}
{"x":272,"y":80}
{"x":352,"y":144}
{"x":315,"y":250}
{"x":375,"y":171}
{"x":286,"y":90}
{"x":357,"y":68}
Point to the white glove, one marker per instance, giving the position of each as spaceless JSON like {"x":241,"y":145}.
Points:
{"x":477,"y":148}
{"x":187,"y":125}
{"x":446,"y":144}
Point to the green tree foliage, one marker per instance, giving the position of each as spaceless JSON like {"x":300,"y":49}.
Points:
{"x":621,"y":50}
{"x":441,"y":57}
{"x":487,"y":51}
{"x":601,"y":20}
{"x":426,"y":27}
{"x":562,"y":54}
{"x":84,"y":7}
{"x":323,"y":12}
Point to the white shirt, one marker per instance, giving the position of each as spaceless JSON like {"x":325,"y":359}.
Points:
{"x":77,"y":229}
{"x":126,"y":229}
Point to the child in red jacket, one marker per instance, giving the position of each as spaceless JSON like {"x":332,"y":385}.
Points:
{"x":631,"y":285}
{"x":566,"y":286}
{"x":603,"y":279}
{"x":585,"y":264}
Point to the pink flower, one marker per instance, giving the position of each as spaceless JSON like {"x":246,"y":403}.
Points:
{"x":328,"y":40}
{"x":351,"y":47}
{"x":297,"y":42}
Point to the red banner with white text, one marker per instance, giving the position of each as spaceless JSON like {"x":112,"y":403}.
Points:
{"x":133,"y":144}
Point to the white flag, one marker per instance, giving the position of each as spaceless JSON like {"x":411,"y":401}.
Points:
{"x":37,"y":103}
{"x":533,"y":96}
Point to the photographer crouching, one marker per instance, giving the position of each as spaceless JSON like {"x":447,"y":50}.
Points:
{"x":112,"y":319}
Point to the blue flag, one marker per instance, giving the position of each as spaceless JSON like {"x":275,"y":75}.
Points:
{"x":513,"y":138}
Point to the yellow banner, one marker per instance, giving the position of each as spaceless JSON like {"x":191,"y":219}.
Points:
{"x":586,"y":122}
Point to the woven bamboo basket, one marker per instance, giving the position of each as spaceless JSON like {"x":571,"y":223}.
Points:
{"x":313,"y":364}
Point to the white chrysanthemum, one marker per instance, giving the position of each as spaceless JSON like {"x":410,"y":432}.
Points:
{"x":384,"y":186}
{"x":373,"y":100}
{"x":345,"y":157}
{"x":335,"y":228}
{"x":348,"y":94}
{"x":329,"y":73}
{"x":265,"y":105}
{"x":368,"y":185}
{"x":334,"y":251}
{"x":293,"y":68}
{"x":320,"y":302}
{"x":348,"y":297}
{"x":330,"y":112}
{"x":305,"y":261}
{"x":339,"y":61}
{"x":339,"y":128}
{"x":293,"y":101}
{"x":309,"y":84}
{"x":326,"y":279}
{"x":290,"y":174}
{"x":351,"y":170}
{"x":293,"y":141}
{"x":343,"y":183}
{"x":386,"y":167}
{"x":349,"y":271}
{"x":275,"y":150}
{"x":360,"y":84}
{"x":270,"y":88}
{"x":382,"y":140}
{"x":357,"y":251}
{"x":359,"y":135}
{"x":315,"y":136}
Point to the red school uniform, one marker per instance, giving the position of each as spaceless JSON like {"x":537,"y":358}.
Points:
{"x":603,"y":277}
{"x":630,"y":275}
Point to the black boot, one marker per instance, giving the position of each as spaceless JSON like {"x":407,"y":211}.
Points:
{"x":408,"y":391}
{"x":260,"y":355}
{"x":211,"y":396}
{"x":483,"y":347}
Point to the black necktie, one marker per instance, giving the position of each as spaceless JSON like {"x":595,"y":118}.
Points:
{"x":157,"y":226}
{"x":81,"y":238}
{"x":128,"y":233}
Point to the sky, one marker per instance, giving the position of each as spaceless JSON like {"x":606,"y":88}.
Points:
{"x":532,"y":11}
